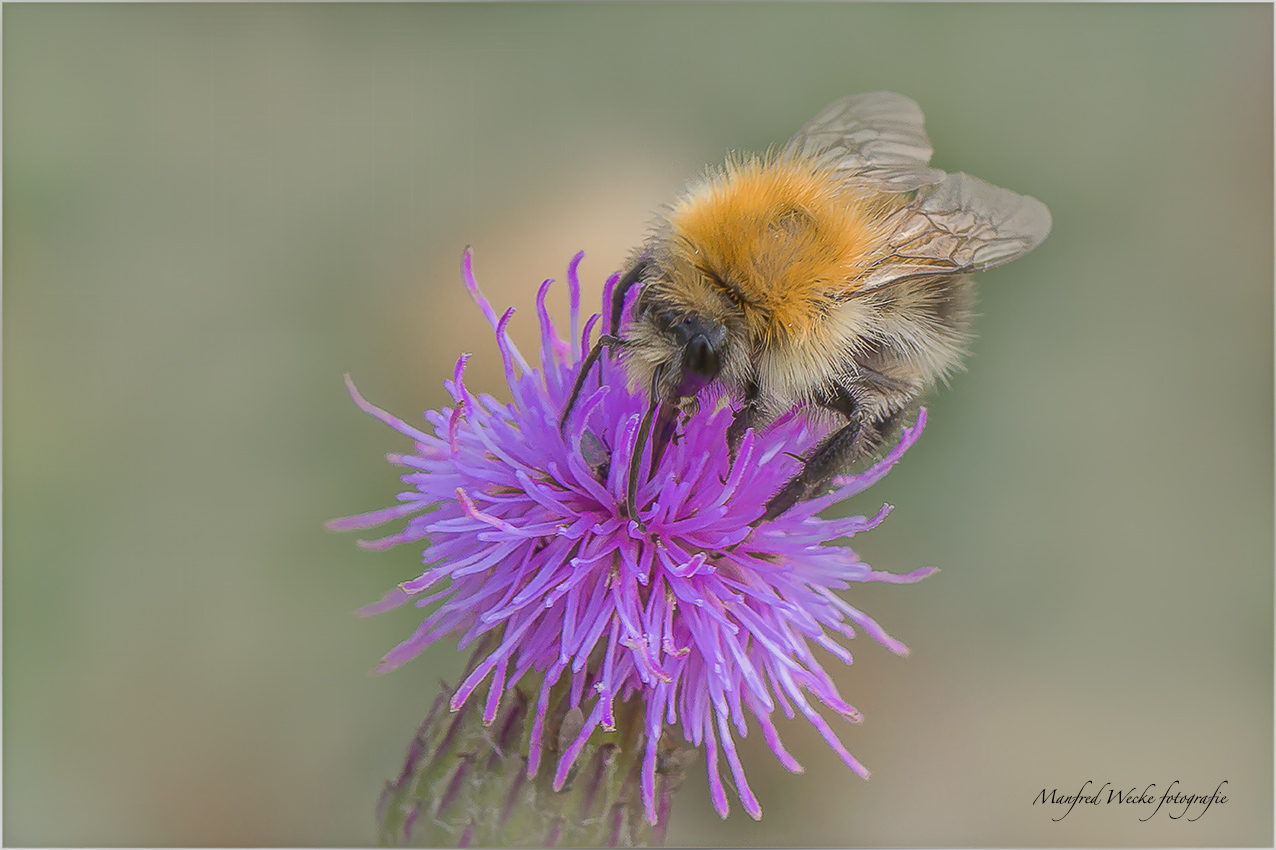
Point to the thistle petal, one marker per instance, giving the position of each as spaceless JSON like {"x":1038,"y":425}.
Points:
{"x":704,"y":617}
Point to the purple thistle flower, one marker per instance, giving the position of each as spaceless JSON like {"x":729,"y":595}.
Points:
{"x":705,"y":617}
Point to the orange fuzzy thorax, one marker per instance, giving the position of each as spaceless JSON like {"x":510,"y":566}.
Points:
{"x":787,"y":239}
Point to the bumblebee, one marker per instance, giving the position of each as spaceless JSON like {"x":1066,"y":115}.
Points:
{"x":832,"y":275}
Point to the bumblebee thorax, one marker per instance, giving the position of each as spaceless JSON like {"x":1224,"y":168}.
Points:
{"x":784,"y":239}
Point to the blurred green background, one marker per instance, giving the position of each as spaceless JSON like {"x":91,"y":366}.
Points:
{"x":212,"y":212}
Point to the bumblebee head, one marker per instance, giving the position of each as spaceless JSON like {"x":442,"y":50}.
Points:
{"x":674,"y":352}
{"x":682,"y":342}
{"x":693,"y":348}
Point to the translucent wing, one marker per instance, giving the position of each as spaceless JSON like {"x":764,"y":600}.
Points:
{"x":962,"y":224}
{"x":876,"y":137}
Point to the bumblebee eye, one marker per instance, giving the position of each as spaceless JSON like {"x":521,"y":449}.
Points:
{"x":701,"y":359}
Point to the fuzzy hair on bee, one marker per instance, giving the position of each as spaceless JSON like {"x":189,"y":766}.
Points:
{"x":831,"y":275}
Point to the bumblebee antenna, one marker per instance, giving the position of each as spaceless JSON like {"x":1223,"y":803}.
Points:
{"x":622,"y":290}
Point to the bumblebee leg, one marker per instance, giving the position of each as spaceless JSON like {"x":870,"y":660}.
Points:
{"x":640,"y":446}
{"x":848,"y":444}
{"x":609,"y":339}
{"x":618,"y":294}
{"x":826,"y":461}
{"x":663,"y":433}
{"x":604,"y":340}
{"x":743,"y":419}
